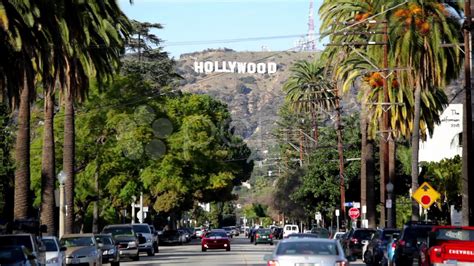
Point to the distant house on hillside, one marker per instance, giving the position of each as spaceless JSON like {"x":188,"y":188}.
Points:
{"x":446,"y":141}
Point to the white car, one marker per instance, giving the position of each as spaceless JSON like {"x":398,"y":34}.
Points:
{"x":54,"y":251}
{"x":290,"y":229}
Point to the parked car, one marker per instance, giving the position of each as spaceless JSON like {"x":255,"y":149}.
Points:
{"x":30,"y":241}
{"x":126,"y":239}
{"x":81,"y":249}
{"x":414,"y":234}
{"x":170,"y":237}
{"x":263,"y":236}
{"x":376,"y":248}
{"x":215,"y":239}
{"x":453,"y":244}
{"x":110,"y":251}
{"x":235,"y":231}
{"x":352,"y":243}
{"x":156,"y":239}
{"x":290,"y":229}
{"x":307,"y":251}
{"x":198,"y":232}
{"x":145,"y":231}
{"x":321,"y":232}
{"x":228,"y":231}
{"x":185,"y":235}
{"x":54,"y":251}
{"x":338,"y":235}
{"x":277,"y":232}
{"x":17,"y":256}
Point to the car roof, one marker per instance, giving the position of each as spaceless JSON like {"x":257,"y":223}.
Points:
{"x":309,"y":239}
{"x":78,"y":235}
{"x":118,"y":225}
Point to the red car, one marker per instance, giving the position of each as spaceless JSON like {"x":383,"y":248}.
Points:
{"x":215,"y":240}
{"x":448,"y":244}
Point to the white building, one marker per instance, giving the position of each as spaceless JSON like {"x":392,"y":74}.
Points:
{"x":447,"y":137}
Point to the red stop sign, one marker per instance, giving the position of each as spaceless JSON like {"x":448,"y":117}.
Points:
{"x":354,"y":213}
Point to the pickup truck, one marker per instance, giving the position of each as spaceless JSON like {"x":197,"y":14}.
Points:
{"x":448,"y":245}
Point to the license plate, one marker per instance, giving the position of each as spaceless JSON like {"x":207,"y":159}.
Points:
{"x":264,"y":236}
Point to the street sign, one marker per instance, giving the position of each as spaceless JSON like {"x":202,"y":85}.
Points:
{"x":337,"y":213}
{"x":357,"y":205}
{"x":318,"y":216}
{"x":348,"y":204}
{"x":354,"y":213}
{"x":388,"y":204}
{"x":426,"y":195}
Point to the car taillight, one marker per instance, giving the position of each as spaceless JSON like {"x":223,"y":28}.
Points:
{"x":341,"y":263}
{"x":401,"y":243}
{"x":272,"y":263}
{"x":257,"y":235}
{"x":271,"y":236}
{"x":437,"y":251}
{"x":394,"y":245}
{"x":354,"y":240}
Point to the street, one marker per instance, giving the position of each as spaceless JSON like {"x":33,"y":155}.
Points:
{"x":242,"y":253}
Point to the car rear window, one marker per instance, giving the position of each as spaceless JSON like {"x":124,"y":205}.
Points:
{"x":294,"y":228}
{"x":139,"y":228}
{"x":50,"y":244}
{"x":307,"y":248}
{"x":118,"y":231}
{"x":363,"y":234}
{"x":216,"y":234}
{"x":264,"y":231}
{"x":17,"y":240}
{"x":455,"y":234}
{"x":419,"y":233}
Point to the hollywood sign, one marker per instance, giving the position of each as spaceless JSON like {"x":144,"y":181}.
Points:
{"x":235,"y":67}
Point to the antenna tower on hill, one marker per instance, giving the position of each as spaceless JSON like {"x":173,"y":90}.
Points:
{"x":308,"y":43}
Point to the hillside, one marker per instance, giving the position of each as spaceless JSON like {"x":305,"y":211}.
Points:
{"x":253,"y":98}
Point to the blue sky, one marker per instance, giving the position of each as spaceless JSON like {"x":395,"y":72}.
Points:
{"x":188,"y":22}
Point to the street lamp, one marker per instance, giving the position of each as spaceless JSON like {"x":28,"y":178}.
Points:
{"x":389,"y":204}
{"x":61,"y":179}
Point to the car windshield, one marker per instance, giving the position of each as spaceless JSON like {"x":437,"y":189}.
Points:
{"x":50,"y":244}
{"x":363,"y":234}
{"x":216,"y":234}
{"x":118,"y":231}
{"x":20,"y":240}
{"x":307,"y":248}
{"x":264,"y":231}
{"x":106,"y":240}
{"x":455,"y":234}
{"x":10,"y":255}
{"x":77,"y":241}
{"x":142,"y":228}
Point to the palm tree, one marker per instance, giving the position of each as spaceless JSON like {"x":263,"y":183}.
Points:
{"x":102,"y":29}
{"x":418,"y":31}
{"x":308,"y":91}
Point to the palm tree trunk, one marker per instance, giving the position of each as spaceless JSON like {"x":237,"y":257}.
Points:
{"x":68,"y":159}
{"x":382,"y":182}
{"x":392,"y":177}
{"x":415,"y":146}
{"x":48,"y":166}
{"x":22,"y":154}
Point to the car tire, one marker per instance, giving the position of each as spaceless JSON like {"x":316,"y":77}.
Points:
{"x":136,"y":258}
{"x":271,"y":243}
{"x":203,"y":249}
{"x":115,"y":263}
{"x":227,"y":249}
{"x":255,"y":243}
{"x":156,"y":248}
{"x":150,"y":252}
{"x":368,"y":258}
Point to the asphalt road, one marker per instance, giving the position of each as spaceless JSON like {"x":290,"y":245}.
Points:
{"x":242,"y":253}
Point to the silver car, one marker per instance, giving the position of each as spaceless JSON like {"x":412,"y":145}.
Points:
{"x":82,"y":249}
{"x":307,"y":251}
{"x":54,"y":251}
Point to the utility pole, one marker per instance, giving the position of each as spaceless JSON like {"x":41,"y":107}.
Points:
{"x":340,"y":150}
{"x":467,"y":135}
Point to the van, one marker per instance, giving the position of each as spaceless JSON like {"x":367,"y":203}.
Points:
{"x":290,"y":229}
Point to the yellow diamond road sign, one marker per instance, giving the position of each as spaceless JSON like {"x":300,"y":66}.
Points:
{"x":426,"y":195}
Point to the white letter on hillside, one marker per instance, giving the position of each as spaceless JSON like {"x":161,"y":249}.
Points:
{"x":251,"y":68}
{"x":261,"y":68}
{"x":272,"y":68}
{"x":198,"y":67}
{"x":208,"y":67}
{"x":232,"y":66}
{"x":241,"y":67}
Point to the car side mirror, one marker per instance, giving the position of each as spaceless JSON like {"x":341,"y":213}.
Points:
{"x":267,"y":257}
{"x":63,"y":248}
{"x":43,"y":228}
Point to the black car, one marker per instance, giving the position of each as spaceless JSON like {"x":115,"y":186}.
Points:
{"x":277,"y":232}
{"x":321,"y":232}
{"x":352,"y":242}
{"x":170,"y":237}
{"x":414,"y":234}
{"x":110,"y":250}
{"x":374,"y":254}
